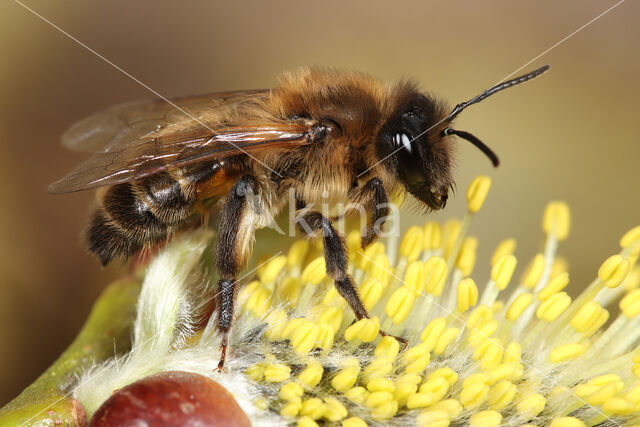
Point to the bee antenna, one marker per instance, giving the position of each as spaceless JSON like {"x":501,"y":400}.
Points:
{"x":475,"y":141}
{"x":497,"y":88}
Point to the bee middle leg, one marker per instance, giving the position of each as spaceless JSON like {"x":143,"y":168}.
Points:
{"x":335,"y":256}
{"x":233,"y":249}
{"x":374,"y":198}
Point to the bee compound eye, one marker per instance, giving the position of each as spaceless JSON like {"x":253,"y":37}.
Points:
{"x":402,"y":140}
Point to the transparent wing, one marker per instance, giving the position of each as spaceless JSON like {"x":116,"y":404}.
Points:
{"x":138,"y":139}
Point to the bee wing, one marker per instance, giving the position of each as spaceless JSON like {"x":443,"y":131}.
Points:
{"x":138,"y":139}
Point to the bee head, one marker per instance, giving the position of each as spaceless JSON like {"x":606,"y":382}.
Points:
{"x":422,"y":161}
{"x":415,"y":141}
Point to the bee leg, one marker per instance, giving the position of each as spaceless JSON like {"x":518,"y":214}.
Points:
{"x":335,"y":258}
{"x":373,"y":197}
{"x":233,"y":249}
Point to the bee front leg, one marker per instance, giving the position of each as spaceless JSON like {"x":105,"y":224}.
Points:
{"x":233,"y":249}
{"x":335,"y":257}
{"x":373,"y":197}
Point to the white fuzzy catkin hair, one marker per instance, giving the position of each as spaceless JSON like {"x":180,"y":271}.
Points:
{"x":165,"y":317}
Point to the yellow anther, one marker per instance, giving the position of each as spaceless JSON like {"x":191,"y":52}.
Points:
{"x":554,"y":306}
{"x":618,"y":406}
{"x":270,"y":271}
{"x":380,"y":384}
{"x":370,"y":254}
{"x":479,"y":316}
{"x":255,"y":372}
{"x":415,"y":276}
{"x":502,"y":271}
{"x":377,"y":368}
{"x":432,"y":418}
{"x":314,"y":272}
{"x":311,"y":374}
{"x":477,"y":192}
{"x":431,"y":333}
{"x":259,"y":301}
{"x":291,"y":391}
{"x":452,"y":407}
{"x":505,"y":371}
{"x":518,"y":306}
{"x":513,"y":352}
{"x":334,"y":410}
{"x":567,"y":422}
{"x":354,"y":246}
{"x":497,"y":306}
{"x":602,"y":394}
{"x":306,"y":422}
{"x":370,"y":292}
{"x":634,"y":394}
{"x":557,"y":220}
{"x":555,"y":285}
{"x":387,"y":348}
{"x":357,"y":395}
{"x":531,"y":406}
{"x":607,"y":379}
{"x":291,"y":409}
{"x":467,"y":257}
{"x":435,"y":271}
{"x":480,"y":348}
{"x":492,"y":355}
{"x":332,"y":316}
{"x":354,"y":422}
{"x":385,"y":411}
{"x":486,"y":418}
{"x":613,"y":271}
{"x":630,"y":304}
{"x":437,"y":386}
{"x":400,"y":304}
{"x":534,"y":272}
{"x":421,"y":400}
{"x":432,"y":236}
{"x":276,"y":321}
{"x":411,"y":244}
{"x":566,"y":352}
{"x":261,"y":403}
{"x":297,"y":253}
{"x":474,"y":395}
{"x":366,"y":330}
{"x":303,"y":338}
{"x":325,"y":337}
{"x":450,"y":233}
{"x":467,"y":294}
{"x":378,"y":398}
{"x":480,"y":377}
{"x":333,"y":298}
{"x":506,"y":247}
{"x":290,"y":289}
{"x":501,"y":395}
{"x":447,"y":337}
{"x":345,"y":379}
{"x":380,"y":268}
{"x":632,"y":281}
{"x":418,"y":365}
{"x":586,"y":316}
{"x":276,"y":373}
{"x":448,"y":374}
{"x":631,"y":237}
{"x":313,"y":408}
{"x":403,"y":391}
{"x":482,"y":333}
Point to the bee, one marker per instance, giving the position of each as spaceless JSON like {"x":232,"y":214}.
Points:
{"x":160,"y":166}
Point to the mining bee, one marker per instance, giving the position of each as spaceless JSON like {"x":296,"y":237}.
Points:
{"x":319,"y":134}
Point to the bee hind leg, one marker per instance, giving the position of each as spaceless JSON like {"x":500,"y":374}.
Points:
{"x":233,"y":249}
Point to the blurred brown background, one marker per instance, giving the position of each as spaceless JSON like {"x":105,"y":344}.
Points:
{"x":570,"y":135}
